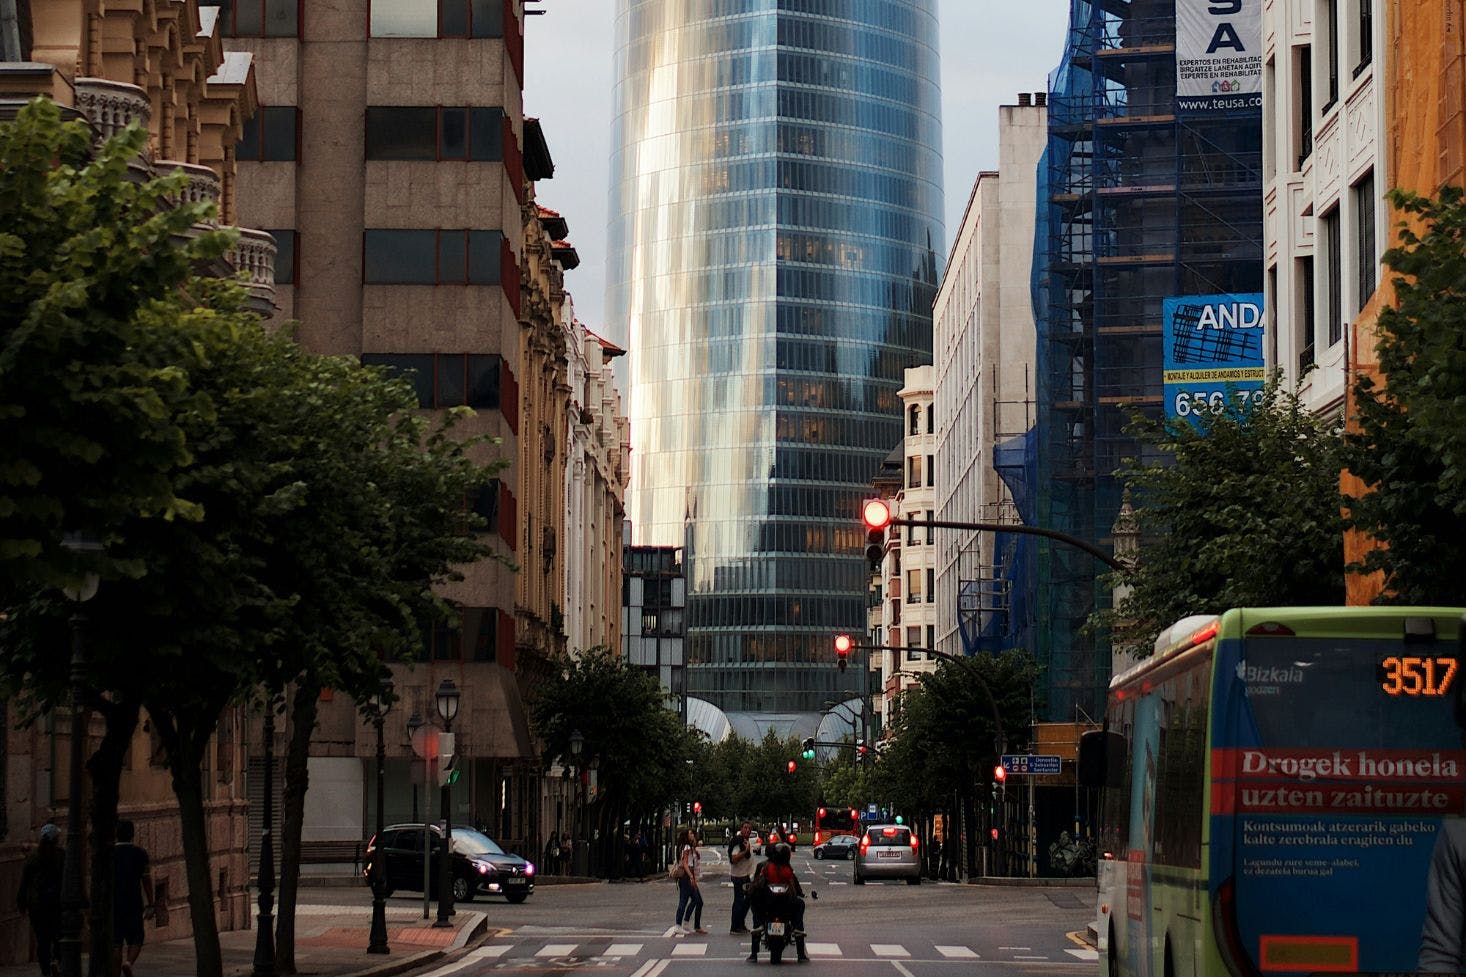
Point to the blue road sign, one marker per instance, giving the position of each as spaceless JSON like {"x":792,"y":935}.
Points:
{"x":1024,"y":765}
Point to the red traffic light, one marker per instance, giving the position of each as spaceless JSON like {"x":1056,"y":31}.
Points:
{"x":697,"y":807}
{"x":995,"y":834}
{"x":793,"y":766}
{"x":1000,"y":773}
{"x":876,"y":514}
{"x":843,"y":644}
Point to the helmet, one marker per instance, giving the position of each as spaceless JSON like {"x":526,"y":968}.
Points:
{"x":780,"y":854}
{"x":50,"y":833}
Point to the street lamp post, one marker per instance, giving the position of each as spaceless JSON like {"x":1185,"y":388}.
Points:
{"x":414,"y":723}
{"x":72,"y":899}
{"x":577,"y":846}
{"x":377,"y":942}
{"x":264,"y":960}
{"x":447,"y":703}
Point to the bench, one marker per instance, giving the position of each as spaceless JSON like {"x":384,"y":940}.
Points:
{"x":331,"y":853}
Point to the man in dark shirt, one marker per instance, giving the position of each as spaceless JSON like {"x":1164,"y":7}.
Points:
{"x":132,"y":896}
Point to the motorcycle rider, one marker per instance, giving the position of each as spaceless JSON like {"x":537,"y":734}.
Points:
{"x":788,"y":905}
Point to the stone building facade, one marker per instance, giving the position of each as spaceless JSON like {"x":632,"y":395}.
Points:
{"x":160,"y":63}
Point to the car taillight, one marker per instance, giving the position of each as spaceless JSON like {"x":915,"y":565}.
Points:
{"x":864,"y":843}
{"x":913,"y":841}
{"x":818,"y":838}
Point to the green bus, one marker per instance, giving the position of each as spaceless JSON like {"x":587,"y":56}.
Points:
{"x":1284,"y":791}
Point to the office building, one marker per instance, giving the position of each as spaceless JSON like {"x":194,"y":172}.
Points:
{"x":774,"y":248}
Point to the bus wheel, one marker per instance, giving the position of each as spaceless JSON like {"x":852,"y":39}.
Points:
{"x":1170,"y":963}
{"x":1112,"y":955}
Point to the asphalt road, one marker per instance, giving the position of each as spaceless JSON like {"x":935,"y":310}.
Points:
{"x":881,"y":929}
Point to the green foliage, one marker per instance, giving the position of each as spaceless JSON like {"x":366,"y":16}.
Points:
{"x":1240,"y":511}
{"x":1410,"y":447}
{"x":639,"y":744}
{"x":946,"y":733}
{"x":92,"y":380}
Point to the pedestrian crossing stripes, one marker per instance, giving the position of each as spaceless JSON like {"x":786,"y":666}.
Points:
{"x":505,"y":950}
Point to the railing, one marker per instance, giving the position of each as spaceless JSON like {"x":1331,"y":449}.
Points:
{"x":254,"y":255}
{"x":203,"y":186}
{"x":111,"y":106}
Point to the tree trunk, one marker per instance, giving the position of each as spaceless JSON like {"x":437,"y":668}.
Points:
{"x":297,"y":779}
{"x":185,"y":749}
{"x":105,"y":769}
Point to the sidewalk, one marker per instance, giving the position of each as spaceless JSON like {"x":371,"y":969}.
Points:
{"x":330,"y":941}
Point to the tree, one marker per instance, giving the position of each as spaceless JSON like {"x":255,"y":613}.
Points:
{"x":1410,"y":444}
{"x":1240,"y":510}
{"x":93,"y":381}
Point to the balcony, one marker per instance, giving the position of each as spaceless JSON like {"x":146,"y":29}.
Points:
{"x":110,"y":107}
{"x":254,"y":255}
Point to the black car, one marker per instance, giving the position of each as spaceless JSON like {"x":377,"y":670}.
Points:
{"x":840,"y":846}
{"x":479,"y":865}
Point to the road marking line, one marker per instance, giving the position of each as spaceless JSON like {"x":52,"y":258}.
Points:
{"x":657,"y":970}
{"x":673,"y":931}
{"x":901,"y":968}
{"x":957,"y":952}
{"x":1015,"y":948}
{"x":1088,"y":953}
{"x":622,"y":950}
{"x":489,"y":952}
{"x":556,"y":950}
{"x":690,"y":950}
{"x":641,"y":971}
{"x":823,"y":949}
{"x":832,"y":882}
{"x":1021,"y":957}
{"x":889,"y":950}
{"x":1077,"y":937}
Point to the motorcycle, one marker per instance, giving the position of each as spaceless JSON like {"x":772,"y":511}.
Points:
{"x":779,"y":931}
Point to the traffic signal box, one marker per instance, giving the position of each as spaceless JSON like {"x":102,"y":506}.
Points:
{"x":808,"y":748}
{"x":876,"y":515}
{"x":843,"y":644}
{"x":447,"y":761}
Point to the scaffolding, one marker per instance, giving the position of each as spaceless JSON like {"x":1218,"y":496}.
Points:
{"x":1138,"y":203}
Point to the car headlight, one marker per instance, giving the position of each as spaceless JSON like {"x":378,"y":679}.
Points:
{"x":529,"y":868}
{"x":483,"y":868}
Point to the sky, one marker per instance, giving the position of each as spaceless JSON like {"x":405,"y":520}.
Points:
{"x":991,"y":50}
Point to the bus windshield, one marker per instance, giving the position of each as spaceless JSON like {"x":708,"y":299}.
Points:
{"x":1334,"y":763}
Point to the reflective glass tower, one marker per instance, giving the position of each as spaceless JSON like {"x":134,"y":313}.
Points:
{"x":775,"y":235}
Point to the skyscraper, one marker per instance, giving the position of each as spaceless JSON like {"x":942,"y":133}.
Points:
{"x":775,"y":227}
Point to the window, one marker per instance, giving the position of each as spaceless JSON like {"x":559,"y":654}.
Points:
{"x":1333,"y":62}
{"x":446,"y":379}
{"x":913,"y":586}
{"x":911,"y":537}
{"x":915,"y":413}
{"x":1305,"y":104}
{"x":913,"y":471}
{"x":931,"y":472}
{"x":285,"y":259}
{"x":431,"y":257}
{"x":931,"y":636}
{"x":1366,"y":36}
{"x":271,"y":136}
{"x":438,"y":18}
{"x":931,"y":585}
{"x":1305,"y":314}
{"x":1334,"y":279}
{"x":1367,"y":271}
{"x":930,"y":531}
{"x":931,"y":421}
{"x":395,"y":132}
{"x":913,"y":641}
{"x":259,"y":18}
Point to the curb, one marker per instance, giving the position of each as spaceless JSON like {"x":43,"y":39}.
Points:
{"x":425,"y":958}
{"x":993,"y":880}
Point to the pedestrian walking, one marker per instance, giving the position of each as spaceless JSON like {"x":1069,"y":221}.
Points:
{"x":567,"y":851}
{"x":132,"y":897}
{"x":740,"y":870}
{"x":689,"y":896}
{"x":39,"y":896}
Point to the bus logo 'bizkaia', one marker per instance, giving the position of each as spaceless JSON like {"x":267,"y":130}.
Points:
{"x":1272,"y":675}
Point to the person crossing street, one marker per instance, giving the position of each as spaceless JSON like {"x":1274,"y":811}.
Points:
{"x":740,"y":870}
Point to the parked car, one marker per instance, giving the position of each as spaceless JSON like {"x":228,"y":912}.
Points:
{"x":888,"y":851}
{"x":480,"y":866}
{"x":755,"y":843}
{"x":840,"y":846}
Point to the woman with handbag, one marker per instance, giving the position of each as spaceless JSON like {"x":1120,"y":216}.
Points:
{"x":689,"y":896}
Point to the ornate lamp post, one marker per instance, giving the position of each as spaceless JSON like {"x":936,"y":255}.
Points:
{"x":72,"y":899}
{"x":264,"y":960}
{"x":381,"y":705}
{"x":578,"y":852}
{"x":447,"y":703}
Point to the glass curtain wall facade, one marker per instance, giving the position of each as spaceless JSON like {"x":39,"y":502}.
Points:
{"x":775,"y":229}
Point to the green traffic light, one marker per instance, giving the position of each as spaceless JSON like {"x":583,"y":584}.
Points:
{"x":453,"y":777}
{"x":900,"y":820}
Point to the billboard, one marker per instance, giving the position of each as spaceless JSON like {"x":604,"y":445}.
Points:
{"x":1212,"y":351}
{"x":1218,"y":55}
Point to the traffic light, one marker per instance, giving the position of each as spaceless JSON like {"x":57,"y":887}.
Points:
{"x":995,"y":834}
{"x":447,"y":761}
{"x":843,"y":644}
{"x":697,"y":807}
{"x":876,"y":515}
{"x":861,"y":751}
{"x":808,"y":748}
{"x":793,"y":766}
{"x":1000,"y":775}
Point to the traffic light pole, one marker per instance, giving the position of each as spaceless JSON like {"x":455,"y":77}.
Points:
{"x":1002,"y":738}
{"x":1022,"y":530}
